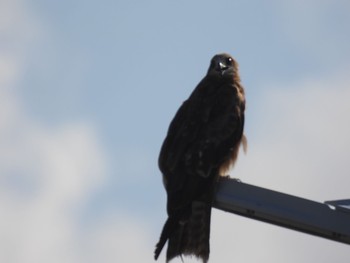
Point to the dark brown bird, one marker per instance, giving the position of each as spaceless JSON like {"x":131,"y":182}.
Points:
{"x":202,"y":143}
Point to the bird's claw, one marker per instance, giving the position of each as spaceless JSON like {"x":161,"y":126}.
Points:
{"x":227,"y":177}
{"x":237,"y":180}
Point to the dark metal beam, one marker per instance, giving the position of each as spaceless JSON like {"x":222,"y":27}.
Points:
{"x":324,"y":220}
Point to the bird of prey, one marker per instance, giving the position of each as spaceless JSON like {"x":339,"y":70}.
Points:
{"x":202,"y":143}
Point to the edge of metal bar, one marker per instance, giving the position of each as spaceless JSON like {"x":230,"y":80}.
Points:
{"x":319,"y":219}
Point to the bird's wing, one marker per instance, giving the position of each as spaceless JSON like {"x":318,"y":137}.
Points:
{"x":200,"y":127}
{"x":182,"y":131}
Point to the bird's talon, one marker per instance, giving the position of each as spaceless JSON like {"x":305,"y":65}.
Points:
{"x":237,"y":180}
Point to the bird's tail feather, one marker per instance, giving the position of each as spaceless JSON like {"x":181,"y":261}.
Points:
{"x":191,"y":237}
{"x":168,"y":228}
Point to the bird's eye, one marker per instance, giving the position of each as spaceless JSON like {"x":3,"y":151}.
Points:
{"x":229,"y":61}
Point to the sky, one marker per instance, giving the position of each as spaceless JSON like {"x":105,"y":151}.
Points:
{"x":88,"y":89}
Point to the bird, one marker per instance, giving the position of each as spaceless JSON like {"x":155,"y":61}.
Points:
{"x":202,"y":144}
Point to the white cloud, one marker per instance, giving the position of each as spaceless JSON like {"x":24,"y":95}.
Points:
{"x":46,"y":176}
{"x":119,"y":238}
{"x":8,"y":68}
{"x":46,"y":173}
{"x":244,"y":240}
{"x":20,"y":30}
{"x":302,"y":139}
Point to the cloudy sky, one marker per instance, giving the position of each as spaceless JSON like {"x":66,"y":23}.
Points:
{"x":87,"y":91}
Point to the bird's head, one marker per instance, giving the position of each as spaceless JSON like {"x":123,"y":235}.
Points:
{"x":223,"y":65}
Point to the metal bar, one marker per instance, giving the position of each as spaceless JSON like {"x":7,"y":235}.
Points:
{"x":283,"y":210}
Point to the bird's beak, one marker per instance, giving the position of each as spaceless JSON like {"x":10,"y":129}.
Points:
{"x":222,"y":66}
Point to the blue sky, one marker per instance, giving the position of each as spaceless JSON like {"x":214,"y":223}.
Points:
{"x":87,"y":93}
